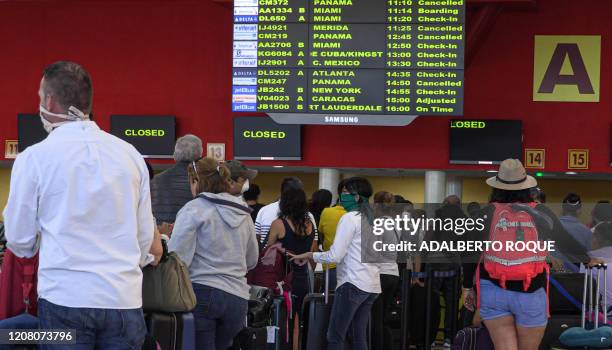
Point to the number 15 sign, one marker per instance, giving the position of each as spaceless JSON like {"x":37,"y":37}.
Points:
{"x":578,"y":159}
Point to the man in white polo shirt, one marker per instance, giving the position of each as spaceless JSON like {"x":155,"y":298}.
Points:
{"x":85,"y":195}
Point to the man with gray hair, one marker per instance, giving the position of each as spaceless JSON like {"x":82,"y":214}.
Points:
{"x":170,"y":190}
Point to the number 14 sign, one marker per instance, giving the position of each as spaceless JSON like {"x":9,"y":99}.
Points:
{"x":535,"y":158}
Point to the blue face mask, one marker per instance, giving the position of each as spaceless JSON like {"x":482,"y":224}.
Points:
{"x":348,"y":201}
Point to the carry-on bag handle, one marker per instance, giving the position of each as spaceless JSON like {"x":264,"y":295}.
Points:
{"x":326,"y":290}
{"x":584,"y":296}
{"x":596,"y":311}
{"x":591,"y":312}
{"x":605,"y":298}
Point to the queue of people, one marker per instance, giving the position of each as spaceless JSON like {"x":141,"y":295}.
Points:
{"x":83,"y":200}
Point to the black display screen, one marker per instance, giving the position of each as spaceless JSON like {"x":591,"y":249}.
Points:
{"x":263,"y":139}
{"x":374,"y":59}
{"x":29,"y":130}
{"x":485,"y":141}
{"x":153,"y":136}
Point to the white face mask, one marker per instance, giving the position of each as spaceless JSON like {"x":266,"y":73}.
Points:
{"x":73,"y":115}
{"x":245,"y":186}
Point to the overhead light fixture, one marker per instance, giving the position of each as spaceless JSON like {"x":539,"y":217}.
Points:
{"x":492,"y":171}
{"x":571,"y":173}
{"x":278,"y":166}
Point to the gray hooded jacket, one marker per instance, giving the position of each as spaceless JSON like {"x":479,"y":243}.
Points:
{"x":216,"y":239}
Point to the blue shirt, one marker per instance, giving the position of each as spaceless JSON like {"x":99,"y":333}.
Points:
{"x":578,"y":230}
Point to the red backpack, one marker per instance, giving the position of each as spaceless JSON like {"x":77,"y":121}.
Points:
{"x":18,"y":282}
{"x":510,"y":223}
{"x":272,"y":268}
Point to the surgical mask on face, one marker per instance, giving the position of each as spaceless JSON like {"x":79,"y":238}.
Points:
{"x":245,"y":186}
{"x":73,"y":115}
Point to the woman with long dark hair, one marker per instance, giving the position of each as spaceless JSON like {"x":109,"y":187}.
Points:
{"x":295,"y":231}
{"x":511,"y":286}
{"x":321,"y":199}
{"x":358,"y":283}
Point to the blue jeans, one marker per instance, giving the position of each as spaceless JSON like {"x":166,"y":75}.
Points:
{"x":332,"y":279}
{"x":350,"y":314}
{"x":95,"y":328}
{"x":219,"y":317}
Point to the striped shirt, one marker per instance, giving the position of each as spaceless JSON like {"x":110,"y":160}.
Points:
{"x":267,"y":215}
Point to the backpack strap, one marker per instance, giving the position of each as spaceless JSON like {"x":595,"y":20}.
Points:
{"x":28,"y":284}
{"x":537,"y":215}
{"x":225,"y":202}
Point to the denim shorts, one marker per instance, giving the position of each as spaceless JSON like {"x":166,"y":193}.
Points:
{"x":528,"y":309}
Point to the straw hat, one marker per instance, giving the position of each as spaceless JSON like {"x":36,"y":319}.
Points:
{"x":512,"y":177}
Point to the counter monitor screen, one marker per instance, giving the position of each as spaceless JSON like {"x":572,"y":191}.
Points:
{"x":153,"y":136}
{"x":485,"y":141}
{"x":262,"y":138}
{"x":358,"y":62}
{"x":29,"y":130}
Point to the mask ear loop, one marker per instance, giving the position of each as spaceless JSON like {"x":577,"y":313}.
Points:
{"x":195,"y":170}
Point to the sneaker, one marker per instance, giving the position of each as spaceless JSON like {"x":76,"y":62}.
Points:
{"x":447,"y":344}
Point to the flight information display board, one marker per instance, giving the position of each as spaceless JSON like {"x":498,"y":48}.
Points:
{"x":378,"y":62}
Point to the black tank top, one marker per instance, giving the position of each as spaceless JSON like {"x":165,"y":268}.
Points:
{"x":296,"y":244}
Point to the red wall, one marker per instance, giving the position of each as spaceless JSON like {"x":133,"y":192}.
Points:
{"x":174,"y":57}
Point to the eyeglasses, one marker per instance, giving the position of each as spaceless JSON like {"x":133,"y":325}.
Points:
{"x":195,"y":170}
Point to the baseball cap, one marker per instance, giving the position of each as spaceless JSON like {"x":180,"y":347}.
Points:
{"x":237,"y":169}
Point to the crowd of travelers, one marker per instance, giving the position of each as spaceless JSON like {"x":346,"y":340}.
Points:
{"x":93,"y":211}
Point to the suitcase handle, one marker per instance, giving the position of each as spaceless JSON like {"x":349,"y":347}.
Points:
{"x":326,"y":291}
{"x":593,"y":307}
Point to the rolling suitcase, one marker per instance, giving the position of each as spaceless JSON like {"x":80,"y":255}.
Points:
{"x":473,"y":337}
{"x":189,"y":331}
{"x":164,"y":328}
{"x":280,"y":336}
{"x":314,"y":320}
{"x":565,"y":306}
{"x":172,"y":330}
{"x":594,"y":332}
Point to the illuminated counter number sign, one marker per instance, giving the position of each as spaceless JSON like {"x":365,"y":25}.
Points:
{"x":216,"y":151}
{"x":535,"y":158}
{"x":578,"y":159}
{"x":11,"y":149}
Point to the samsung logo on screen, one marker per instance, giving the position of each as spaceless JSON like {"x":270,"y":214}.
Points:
{"x":344,"y":120}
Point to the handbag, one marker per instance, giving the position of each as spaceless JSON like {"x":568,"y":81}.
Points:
{"x":167,"y":287}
